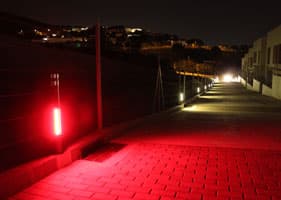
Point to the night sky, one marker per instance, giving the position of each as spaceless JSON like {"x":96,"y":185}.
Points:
{"x":215,"y":22}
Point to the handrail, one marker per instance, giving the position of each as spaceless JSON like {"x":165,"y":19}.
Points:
{"x":196,"y":74}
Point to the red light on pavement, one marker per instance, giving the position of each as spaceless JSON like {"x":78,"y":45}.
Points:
{"x":57,"y":121}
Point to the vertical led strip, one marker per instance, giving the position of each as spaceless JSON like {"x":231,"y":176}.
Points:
{"x":57,"y":121}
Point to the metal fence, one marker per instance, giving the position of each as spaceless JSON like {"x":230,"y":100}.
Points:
{"x":28,"y":96}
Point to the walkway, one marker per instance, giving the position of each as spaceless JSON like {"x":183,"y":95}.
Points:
{"x":226,"y":145}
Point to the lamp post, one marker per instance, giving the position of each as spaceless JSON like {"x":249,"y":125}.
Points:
{"x":184,"y":88}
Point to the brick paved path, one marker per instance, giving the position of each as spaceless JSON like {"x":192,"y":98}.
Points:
{"x":158,"y":172}
{"x":228,"y":148}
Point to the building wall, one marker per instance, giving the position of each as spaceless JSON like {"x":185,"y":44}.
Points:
{"x":258,"y":59}
{"x":244,"y":66}
{"x":256,"y":85}
{"x":276,"y":86}
{"x":262,"y":64}
{"x":267,"y":91}
{"x":273,"y":40}
{"x":247,"y":66}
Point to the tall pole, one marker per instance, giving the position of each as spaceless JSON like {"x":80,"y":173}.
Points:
{"x":159,"y":101}
{"x":58,"y":89}
{"x":156,"y":93}
{"x":161,"y":93}
{"x":184,"y":88}
{"x":98,"y":78}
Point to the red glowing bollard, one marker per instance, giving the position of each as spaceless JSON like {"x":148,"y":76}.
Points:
{"x":57,"y":121}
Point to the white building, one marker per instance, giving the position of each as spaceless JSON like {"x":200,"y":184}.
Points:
{"x":261,"y":66}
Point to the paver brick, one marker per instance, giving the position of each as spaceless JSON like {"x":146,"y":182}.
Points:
{"x":103,"y":196}
{"x":145,"y":196}
{"x":81,"y":193}
{"x":153,"y":171}
{"x":122,"y":194}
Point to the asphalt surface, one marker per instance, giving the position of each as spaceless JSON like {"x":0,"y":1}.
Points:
{"x":225,"y":145}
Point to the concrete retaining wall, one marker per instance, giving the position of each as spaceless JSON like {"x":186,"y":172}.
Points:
{"x":256,"y":86}
{"x":249,"y":86}
{"x":276,"y":86}
{"x":242,"y":81}
{"x":267,"y":91}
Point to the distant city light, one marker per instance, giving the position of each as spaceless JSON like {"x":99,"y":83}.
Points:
{"x":227,"y":78}
{"x":136,"y":29}
{"x":198,"y":89}
{"x":20,"y":32}
{"x":84,"y":28}
{"x":45,"y":39}
{"x":54,"y":35}
{"x":133,"y":30}
{"x":205,"y":87}
{"x":230,"y":78}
